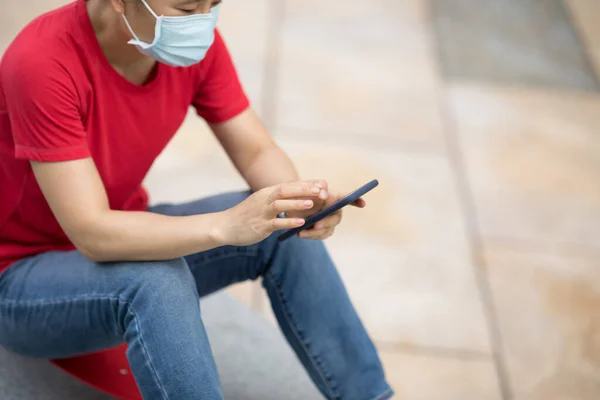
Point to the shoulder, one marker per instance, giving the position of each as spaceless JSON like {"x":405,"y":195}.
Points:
{"x":218,"y":49}
{"x":219,"y":93}
{"x":44,"y":49}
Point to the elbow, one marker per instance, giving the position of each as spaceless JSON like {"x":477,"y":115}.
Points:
{"x":91,"y":246}
{"x":93,"y":254}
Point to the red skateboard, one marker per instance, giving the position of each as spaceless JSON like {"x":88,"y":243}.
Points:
{"x":107,"y":371}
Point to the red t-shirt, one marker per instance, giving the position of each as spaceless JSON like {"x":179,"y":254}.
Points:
{"x":61,"y":100}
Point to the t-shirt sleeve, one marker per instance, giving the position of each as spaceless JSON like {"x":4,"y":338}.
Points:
{"x":219,"y":94}
{"x":43,"y":109}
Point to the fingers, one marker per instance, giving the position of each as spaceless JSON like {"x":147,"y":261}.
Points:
{"x":279,"y":206}
{"x":320,"y":183}
{"x":323,"y":229}
{"x":330,"y":222}
{"x":286,"y":223}
{"x":360,"y":203}
{"x":324,"y":194}
{"x":315,"y":234}
{"x":296,"y":189}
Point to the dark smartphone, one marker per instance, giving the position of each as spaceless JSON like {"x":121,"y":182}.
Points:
{"x":341,"y":203}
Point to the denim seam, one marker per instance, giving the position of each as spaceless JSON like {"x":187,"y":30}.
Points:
{"x":93,"y":297}
{"x":145,"y":351}
{"x":60,"y":300}
{"x":383,"y":395}
{"x":224,"y":256}
{"x":28,"y":303}
{"x":312,"y":357}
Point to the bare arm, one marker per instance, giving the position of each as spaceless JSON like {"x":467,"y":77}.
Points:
{"x":78,"y":199}
{"x":254,"y":153}
{"x":262,"y":163}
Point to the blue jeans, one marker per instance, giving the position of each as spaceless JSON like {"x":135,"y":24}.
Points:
{"x":61,"y":304}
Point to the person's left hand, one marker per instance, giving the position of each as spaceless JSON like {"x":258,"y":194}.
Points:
{"x":326,"y":227}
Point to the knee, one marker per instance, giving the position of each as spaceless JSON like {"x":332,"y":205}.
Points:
{"x":154,"y":291}
{"x":170,"y":279}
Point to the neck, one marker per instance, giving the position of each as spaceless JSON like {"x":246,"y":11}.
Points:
{"x":124,"y":58}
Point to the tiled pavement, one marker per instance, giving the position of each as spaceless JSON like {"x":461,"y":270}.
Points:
{"x":476,"y":264}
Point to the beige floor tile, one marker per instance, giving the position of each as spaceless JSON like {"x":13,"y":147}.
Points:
{"x":416,"y":376}
{"x":363,"y":69}
{"x":587,"y":16}
{"x":246,"y":38}
{"x":245,"y":292}
{"x":192,"y":166}
{"x":206,"y":178}
{"x":532,"y":160}
{"x":404,"y":258}
{"x":548,"y":308}
{"x":263,"y":306}
{"x":423,"y":377}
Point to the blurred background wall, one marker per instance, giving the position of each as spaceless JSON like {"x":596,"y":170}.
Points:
{"x":476,"y":266}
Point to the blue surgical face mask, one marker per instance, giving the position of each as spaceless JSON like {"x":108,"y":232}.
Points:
{"x":179,"y":41}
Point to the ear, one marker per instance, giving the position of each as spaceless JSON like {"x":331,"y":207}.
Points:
{"x":118,"y":6}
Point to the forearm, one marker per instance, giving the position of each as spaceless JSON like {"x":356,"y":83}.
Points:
{"x":145,"y":236}
{"x":254,"y":152}
{"x":269,"y":167}
{"x":75,"y":193}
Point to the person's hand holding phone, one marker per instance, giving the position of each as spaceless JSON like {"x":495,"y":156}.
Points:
{"x":326,"y":227}
{"x":255,"y":218}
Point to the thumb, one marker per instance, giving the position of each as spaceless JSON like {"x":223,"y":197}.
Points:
{"x":360,"y":203}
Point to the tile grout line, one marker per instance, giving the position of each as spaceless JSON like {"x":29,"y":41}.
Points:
{"x":560,"y":249}
{"x":476,"y":243}
{"x":434,"y":351}
{"x":407,"y":146}
{"x":537,"y":87}
{"x":467,"y":204}
{"x":583,"y":40}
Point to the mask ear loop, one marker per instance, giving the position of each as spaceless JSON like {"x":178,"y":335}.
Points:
{"x":129,"y":25}
{"x":130,"y":28}
{"x":150,"y":9}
